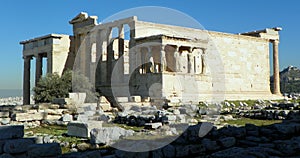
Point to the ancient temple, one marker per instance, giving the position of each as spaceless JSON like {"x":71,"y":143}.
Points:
{"x":129,"y":57}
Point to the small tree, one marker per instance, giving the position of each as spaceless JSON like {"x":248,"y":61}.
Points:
{"x":53,"y":86}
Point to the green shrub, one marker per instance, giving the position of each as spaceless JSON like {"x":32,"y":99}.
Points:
{"x":53,"y":86}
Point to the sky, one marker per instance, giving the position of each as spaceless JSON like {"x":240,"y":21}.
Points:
{"x":21,"y":20}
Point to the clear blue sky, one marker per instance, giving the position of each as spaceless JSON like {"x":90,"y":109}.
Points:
{"x":25,"y":19}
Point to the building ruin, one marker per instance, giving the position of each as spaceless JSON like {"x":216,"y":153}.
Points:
{"x":158,"y":61}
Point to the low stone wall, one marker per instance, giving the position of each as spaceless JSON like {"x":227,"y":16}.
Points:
{"x":277,"y":140}
{"x":12,"y":144}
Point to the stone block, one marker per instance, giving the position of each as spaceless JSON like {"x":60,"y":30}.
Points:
{"x":2,"y":142}
{"x":105,"y":107}
{"x":153,"y":125}
{"x":4,"y":114}
{"x":80,"y":129}
{"x":82,"y":118}
{"x":15,"y":146}
{"x":227,"y":142}
{"x":38,"y":116}
{"x":53,"y":117}
{"x":5,"y":121}
{"x":77,"y":98}
{"x":107,"y":135}
{"x":169,"y":151}
{"x":43,"y":150}
{"x":89,"y":113}
{"x":135,"y":99}
{"x":146,"y":99}
{"x":67,"y":117}
{"x":122,"y":99}
{"x":11,"y":131}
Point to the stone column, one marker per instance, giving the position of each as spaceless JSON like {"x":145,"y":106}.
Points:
{"x":177,"y":59}
{"x":190,"y":61}
{"x":121,"y":52}
{"x":203,"y":61}
{"x":276,"y":83}
{"x":26,"y":80}
{"x":38,"y":68}
{"x":49,"y":62}
{"x":110,"y":55}
{"x":163,"y":63}
{"x":150,"y":67}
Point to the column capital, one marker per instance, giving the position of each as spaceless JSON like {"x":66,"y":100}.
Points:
{"x":275,"y":41}
{"x":203,"y":49}
{"x":27,"y":57}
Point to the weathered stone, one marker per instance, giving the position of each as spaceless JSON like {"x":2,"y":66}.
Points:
{"x":39,"y":140}
{"x":5,"y":121}
{"x":15,"y":146}
{"x":169,"y":151}
{"x":157,"y":153}
{"x":181,"y":118}
{"x":205,"y":127}
{"x":37,"y":116}
{"x":289,"y":147}
{"x":67,"y":117}
{"x":210,"y":144}
{"x":2,"y":142}
{"x":43,"y":150}
{"x":122,"y":99}
{"x":83,"y":146}
{"x":107,"y":135}
{"x":77,"y":98}
{"x":153,"y":125}
{"x":4,"y":114}
{"x":253,"y":138}
{"x":53,"y":117}
{"x":233,"y":152}
{"x":182,"y":151}
{"x":6,"y":155}
{"x":105,"y":107}
{"x":135,"y":99}
{"x":11,"y":131}
{"x":82,"y":118}
{"x":80,"y":129}
{"x":247,"y":143}
{"x":227,"y":117}
{"x":47,"y":139}
{"x":127,"y":154}
{"x":54,"y":106}
{"x":196,"y":149}
{"x":227,"y":142}
{"x":286,"y":128}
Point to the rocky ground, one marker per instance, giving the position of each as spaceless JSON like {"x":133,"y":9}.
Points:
{"x":196,"y":130}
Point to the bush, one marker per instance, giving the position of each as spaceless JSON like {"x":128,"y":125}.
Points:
{"x":53,"y":86}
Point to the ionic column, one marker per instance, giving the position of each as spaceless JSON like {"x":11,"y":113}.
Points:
{"x":26,"y":80}
{"x":38,"y":68}
{"x":163,"y":62}
{"x":276,"y":85}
